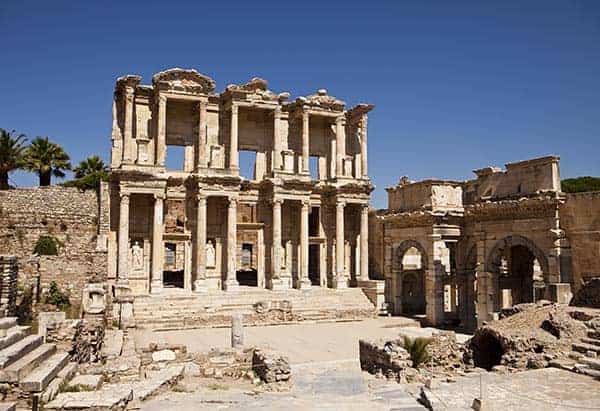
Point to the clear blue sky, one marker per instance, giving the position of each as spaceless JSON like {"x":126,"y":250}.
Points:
{"x":457,"y":85}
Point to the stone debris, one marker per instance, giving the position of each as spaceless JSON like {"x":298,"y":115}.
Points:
{"x":82,"y":338}
{"x":114,"y":398}
{"x":588,"y":295}
{"x":87,"y":382}
{"x":219,"y":363}
{"x":271,"y":367}
{"x":387,"y":358}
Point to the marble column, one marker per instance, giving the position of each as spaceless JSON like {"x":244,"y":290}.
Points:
{"x":128,"y":143}
{"x":364,"y":243}
{"x":341,"y":145}
{"x":230,"y":279}
{"x":363,"y":148}
{"x":276,"y":139}
{"x":157,"y":245}
{"x":233,"y":140}
{"x":276,"y":246}
{"x":123,"y":240}
{"x":303,"y":280}
{"x":161,"y":133}
{"x":341,"y":281}
{"x":200,"y":248}
{"x":202,"y":159}
{"x":305,"y":142}
{"x":333,"y":159}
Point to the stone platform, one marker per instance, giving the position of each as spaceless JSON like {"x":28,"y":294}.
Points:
{"x":178,"y":309}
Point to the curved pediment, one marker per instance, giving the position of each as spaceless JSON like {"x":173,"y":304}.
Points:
{"x":255,"y":89}
{"x":323,"y":100}
{"x":182,"y":80}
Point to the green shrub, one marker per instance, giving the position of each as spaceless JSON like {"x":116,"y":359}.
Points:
{"x":56,"y":297}
{"x":417,"y":348}
{"x":580,"y":184}
{"x":46,"y":245}
{"x":24,"y":308}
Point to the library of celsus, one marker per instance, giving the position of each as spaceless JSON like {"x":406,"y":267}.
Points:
{"x":300,"y":220}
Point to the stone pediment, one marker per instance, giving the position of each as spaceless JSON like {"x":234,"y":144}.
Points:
{"x":255,"y":89}
{"x":182,"y":80}
{"x":322,"y":100}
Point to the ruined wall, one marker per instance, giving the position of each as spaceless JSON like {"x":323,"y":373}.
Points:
{"x":580,"y":218}
{"x":69,"y":215}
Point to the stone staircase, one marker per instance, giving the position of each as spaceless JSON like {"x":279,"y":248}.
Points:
{"x":183,"y":310}
{"x":585,"y":357}
{"x":28,"y":364}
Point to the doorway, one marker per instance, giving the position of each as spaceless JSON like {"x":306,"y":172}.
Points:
{"x":314,"y":265}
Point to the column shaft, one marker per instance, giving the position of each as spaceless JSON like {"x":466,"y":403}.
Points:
{"x":341,"y":146}
{"x":233,"y":139}
{"x":305,"y":142}
{"x":341,"y":280}
{"x":230,"y":280}
{"x":123,"y":268}
{"x":276,"y":139}
{"x":364,"y":243}
{"x":200,"y":255}
{"x":363,"y":148}
{"x":128,"y":152}
{"x":161,"y":132}
{"x":276,"y":260}
{"x":157,"y":245}
{"x":202,"y":160}
{"x":304,"y":281}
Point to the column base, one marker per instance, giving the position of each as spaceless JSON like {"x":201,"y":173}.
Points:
{"x":231,"y":285}
{"x":200,"y":286}
{"x":156,"y":287}
{"x":340,"y":282}
{"x":304,"y":284}
{"x":279,"y":284}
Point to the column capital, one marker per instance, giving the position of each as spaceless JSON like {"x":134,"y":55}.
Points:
{"x":202,"y":104}
{"x":234,"y":109}
{"x":162,"y":98}
{"x":364,"y":208}
{"x":340,"y":204}
{"x":232,"y":201}
{"x":340,"y":119}
{"x":159,"y":196}
{"x":278,"y":201}
{"x":201,"y":197}
{"x":277,"y":110}
{"x":305,"y":203}
{"x":124,"y":195}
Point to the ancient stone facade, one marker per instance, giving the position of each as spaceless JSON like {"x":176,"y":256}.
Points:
{"x":460,"y":251}
{"x":300,"y":220}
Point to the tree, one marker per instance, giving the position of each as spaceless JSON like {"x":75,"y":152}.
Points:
{"x":11,"y":155}
{"x":47,"y":159}
{"x":89,"y":173}
{"x":580,"y":184}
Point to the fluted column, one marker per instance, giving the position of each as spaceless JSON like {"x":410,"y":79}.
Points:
{"x":305,"y":142}
{"x":303,"y":280}
{"x":363,"y":148}
{"x":230,"y":279}
{"x":364,"y":243}
{"x":233,"y":139}
{"x":157,"y":245}
{"x":202,"y":160}
{"x":200,"y":249}
{"x":341,"y":281}
{"x":128,"y":152}
{"x":276,"y":139}
{"x":341,"y":145}
{"x":161,"y":131}
{"x":123,"y":240}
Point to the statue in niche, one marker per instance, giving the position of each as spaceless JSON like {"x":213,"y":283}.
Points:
{"x":137,"y":253}
{"x":210,"y":254}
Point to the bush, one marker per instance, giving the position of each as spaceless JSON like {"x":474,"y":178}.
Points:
{"x":46,"y":245}
{"x":57,"y":298}
{"x":417,"y":348}
{"x":24,"y":309}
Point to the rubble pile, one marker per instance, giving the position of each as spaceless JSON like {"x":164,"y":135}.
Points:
{"x":219,"y":363}
{"x":271,"y":367}
{"x":447,"y":356}
{"x":588,"y":295}
{"x":387,"y":358}
{"x":530,"y":338}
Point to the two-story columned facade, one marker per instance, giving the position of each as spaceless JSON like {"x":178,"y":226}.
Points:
{"x":299,"y":220}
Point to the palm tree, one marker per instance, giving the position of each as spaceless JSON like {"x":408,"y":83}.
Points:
{"x":11,"y":155}
{"x":46,"y":159}
{"x":91,"y":165}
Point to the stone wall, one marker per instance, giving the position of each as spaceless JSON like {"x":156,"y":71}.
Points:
{"x":67,"y":214}
{"x":580,"y":218}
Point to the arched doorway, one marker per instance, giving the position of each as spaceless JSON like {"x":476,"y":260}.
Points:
{"x":519,"y":266}
{"x":410,"y":284}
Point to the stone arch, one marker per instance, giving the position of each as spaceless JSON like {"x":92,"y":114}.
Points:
{"x":409,"y":291}
{"x":493,"y":260}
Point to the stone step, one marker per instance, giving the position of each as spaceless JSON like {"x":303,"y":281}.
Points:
{"x":23,"y":366}
{"x":593,"y":334}
{"x":7,"y":322}
{"x":584,"y":347}
{"x":592,"y":372}
{"x":13,"y":335}
{"x":17,"y":350}
{"x":591,"y":362}
{"x":55,"y":385}
{"x":592,"y":341}
{"x":108,"y":399}
{"x":39,"y":379}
